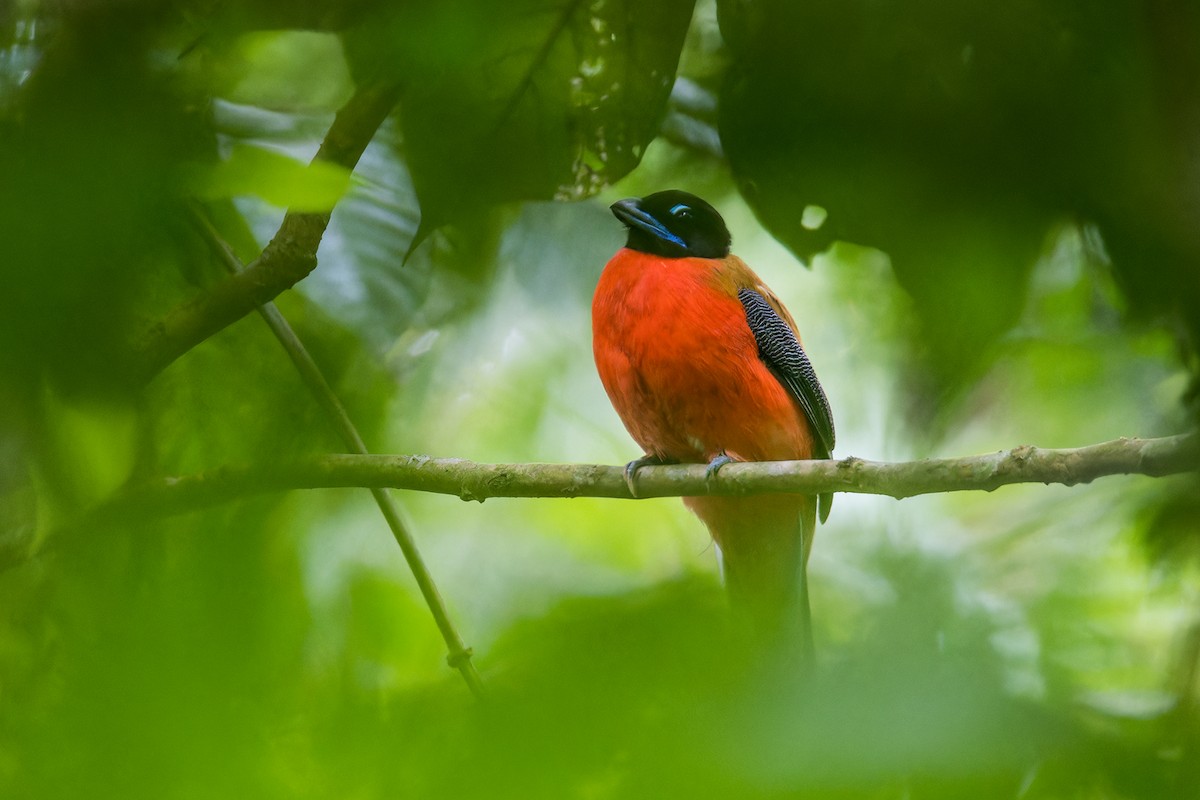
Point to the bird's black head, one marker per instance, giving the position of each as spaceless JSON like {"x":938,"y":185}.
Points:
{"x":673,"y":224}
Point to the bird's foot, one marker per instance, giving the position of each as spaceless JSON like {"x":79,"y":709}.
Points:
{"x":714,"y":466}
{"x":632,"y":468}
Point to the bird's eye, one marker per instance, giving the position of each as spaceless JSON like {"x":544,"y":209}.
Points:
{"x":681,"y":210}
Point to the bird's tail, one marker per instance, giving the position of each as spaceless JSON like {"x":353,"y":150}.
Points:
{"x":764,"y":543}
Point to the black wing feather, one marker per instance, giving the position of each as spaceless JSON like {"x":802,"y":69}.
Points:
{"x":780,"y":350}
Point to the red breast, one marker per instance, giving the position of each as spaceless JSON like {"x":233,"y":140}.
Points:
{"x":681,"y":365}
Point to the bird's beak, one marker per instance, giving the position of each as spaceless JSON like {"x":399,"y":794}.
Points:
{"x":630,"y":212}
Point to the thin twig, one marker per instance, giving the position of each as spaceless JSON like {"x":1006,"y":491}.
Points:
{"x":459,"y":655}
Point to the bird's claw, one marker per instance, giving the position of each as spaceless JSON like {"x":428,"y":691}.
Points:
{"x":714,"y":466}
{"x":632,"y":468}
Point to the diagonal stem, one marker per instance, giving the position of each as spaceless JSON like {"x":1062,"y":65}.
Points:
{"x":459,"y":655}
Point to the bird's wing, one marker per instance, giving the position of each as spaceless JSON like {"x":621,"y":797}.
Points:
{"x":780,"y":349}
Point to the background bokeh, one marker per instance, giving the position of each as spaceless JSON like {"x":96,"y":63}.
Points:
{"x":981,"y":218}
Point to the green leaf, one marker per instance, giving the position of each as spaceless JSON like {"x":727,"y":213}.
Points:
{"x":292,"y":70}
{"x":88,"y":447}
{"x":274,"y":177}
{"x":90,"y":153}
{"x":952,"y":136}
{"x":530,"y":100}
{"x":361,"y":281}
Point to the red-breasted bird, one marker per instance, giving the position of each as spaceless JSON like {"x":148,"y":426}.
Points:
{"x":703,"y":364}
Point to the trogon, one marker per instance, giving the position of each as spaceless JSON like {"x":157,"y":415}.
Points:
{"x":704,"y":364}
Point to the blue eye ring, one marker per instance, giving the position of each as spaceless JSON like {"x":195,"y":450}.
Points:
{"x":680,"y":210}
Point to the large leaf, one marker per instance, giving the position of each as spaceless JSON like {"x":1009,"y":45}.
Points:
{"x":525,"y":99}
{"x":950,"y":135}
{"x":281,"y":181}
{"x":363,"y":280}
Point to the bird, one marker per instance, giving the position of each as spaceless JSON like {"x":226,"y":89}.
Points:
{"x":703,"y":364}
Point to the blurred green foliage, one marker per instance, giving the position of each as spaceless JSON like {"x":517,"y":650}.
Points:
{"x":954,"y":135}
{"x":1008,"y":255}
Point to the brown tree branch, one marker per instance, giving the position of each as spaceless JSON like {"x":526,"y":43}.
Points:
{"x":474,"y":481}
{"x":287,"y":259}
